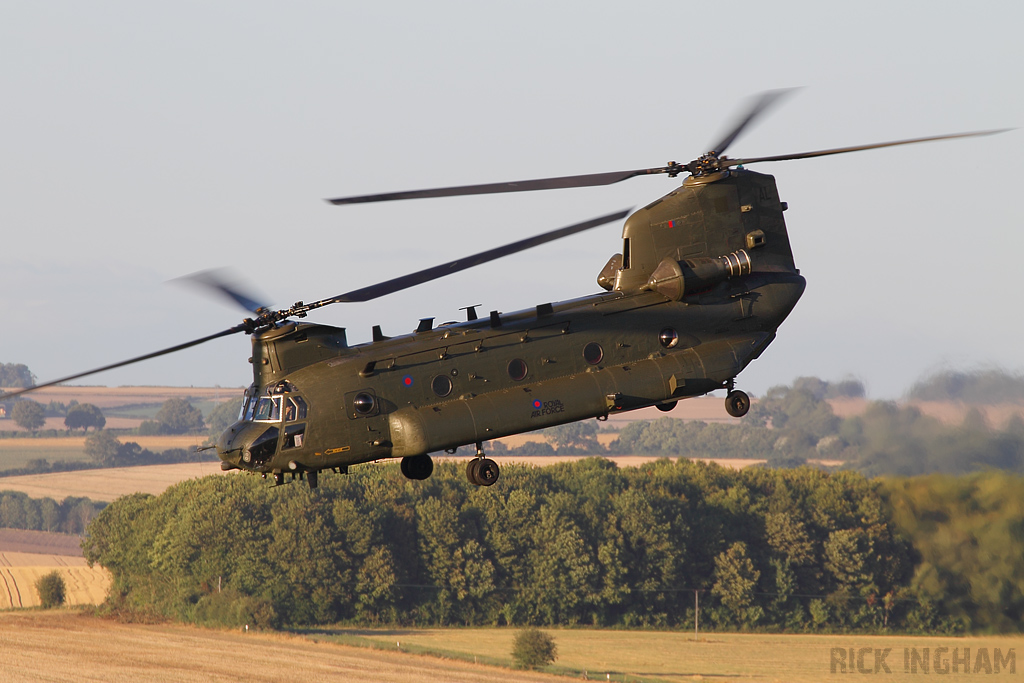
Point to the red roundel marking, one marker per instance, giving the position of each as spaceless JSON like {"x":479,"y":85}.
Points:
{"x":407,"y":380}
{"x":537,"y":404}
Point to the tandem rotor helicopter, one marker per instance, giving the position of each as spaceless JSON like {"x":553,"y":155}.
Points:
{"x":703,"y":281}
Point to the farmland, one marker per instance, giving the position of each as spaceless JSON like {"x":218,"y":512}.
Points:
{"x":64,"y":645}
{"x":17,"y":452}
{"x":678,"y":656}
{"x":27,"y":555}
{"x":108,"y":484}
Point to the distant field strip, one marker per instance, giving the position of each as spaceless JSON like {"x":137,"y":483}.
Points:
{"x":108,"y":484}
{"x":17,"y":452}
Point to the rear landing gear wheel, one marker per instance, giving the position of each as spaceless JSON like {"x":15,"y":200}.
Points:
{"x":418,"y":467}
{"x":471,"y":470}
{"x":737,"y":403}
{"x":666,"y":407}
{"x":482,"y":472}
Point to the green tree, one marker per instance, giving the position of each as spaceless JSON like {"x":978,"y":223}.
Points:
{"x":178,"y":416}
{"x":16,"y":375}
{"x":83,"y":416}
{"x":735,"y":579}
{"x":533,"y":648}
{"x":102,"y":447}
{"x":221,"y":417}
{"x":579,"y":437}
{"x":51,"y":589}
{"x":28,"y":415}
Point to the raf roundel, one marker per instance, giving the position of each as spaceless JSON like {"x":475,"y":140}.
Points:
{"x":537,"y":404}
{"x":407,"y":381}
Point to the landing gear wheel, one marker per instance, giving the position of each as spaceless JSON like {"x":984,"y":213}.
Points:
{"x":666,"y":407}
{"x":487,"y":472}
{"x":471,"y":467}
{"x":482,"y":472}
{"x":418,"y":467}
{"x":737,"y":403}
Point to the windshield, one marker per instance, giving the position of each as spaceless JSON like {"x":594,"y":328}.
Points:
{"x":248,"y":404}
{"x":268,"y":409}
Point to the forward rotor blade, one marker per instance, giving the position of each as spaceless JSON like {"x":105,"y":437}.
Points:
{"x":843,"y":150}
{"x":418,"y":278}
{"x":172,"y":349}
{"x":589,"y":180}
{"x":758,"y":107}
{"x":217,"y":280}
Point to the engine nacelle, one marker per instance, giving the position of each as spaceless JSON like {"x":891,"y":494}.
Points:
{"x":675,"y":279}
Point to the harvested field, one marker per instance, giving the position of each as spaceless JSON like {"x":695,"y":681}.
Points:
{"x":16,"y":452}
{"x":63,"y":645}
{"x":57,"y":443}
{"x":39,"y":542}
{"x":85,"y":585}
{"x":108,"y":484}
{"x":678,"y":657}
{"x":25,"y":556}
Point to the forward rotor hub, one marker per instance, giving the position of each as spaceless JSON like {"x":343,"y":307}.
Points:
{"x":705,"y":164}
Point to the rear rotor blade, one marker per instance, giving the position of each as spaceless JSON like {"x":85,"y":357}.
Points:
{"x":589,"y":180}
{"x":843,"y":150}
{"x":428,"y":274}
{"x":757,"y":108}
{"x":162,"y":352}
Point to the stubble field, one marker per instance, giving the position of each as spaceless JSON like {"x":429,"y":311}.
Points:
{"x":62,"y":645}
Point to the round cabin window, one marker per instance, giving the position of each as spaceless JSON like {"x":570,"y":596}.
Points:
{"x":517,"y":369}
{"x":593,"y":353}
{"x":668,"y":337}
{"x":441,"y":385}
{"x":364,"y":403}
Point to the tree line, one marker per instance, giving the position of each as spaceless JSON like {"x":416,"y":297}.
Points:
{"x":572,"y":543}
{"x":69,"y":516}
{"x":791,"y":425}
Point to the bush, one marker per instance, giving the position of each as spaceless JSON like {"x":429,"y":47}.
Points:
{"x":533,"y":648}
{"x":152,"y":428}
{"x":51,"y":589}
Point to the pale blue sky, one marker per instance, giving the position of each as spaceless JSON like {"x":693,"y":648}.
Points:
{"x":141,"y":142}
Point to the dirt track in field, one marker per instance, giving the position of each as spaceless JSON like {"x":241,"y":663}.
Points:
{"x":66,"y":646}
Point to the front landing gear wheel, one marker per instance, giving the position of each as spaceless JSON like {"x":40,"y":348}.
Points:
{"x":482,"y":472}
{"x":417,"y":467}
{"x":737,"y":403}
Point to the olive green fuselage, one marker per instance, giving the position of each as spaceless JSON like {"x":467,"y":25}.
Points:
{"x":650,"y":340}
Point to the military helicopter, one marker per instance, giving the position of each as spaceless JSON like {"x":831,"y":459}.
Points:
{"x":703,"y":281}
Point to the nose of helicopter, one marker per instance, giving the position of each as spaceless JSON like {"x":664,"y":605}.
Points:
{"x":233,"y":444}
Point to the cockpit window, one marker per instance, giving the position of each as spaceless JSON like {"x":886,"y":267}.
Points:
{"x":268,"y":409}
{"x":248,"y":403}
{"x":295,"y":409}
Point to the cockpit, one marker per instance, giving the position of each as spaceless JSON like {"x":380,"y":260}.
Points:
{"x":283,"y":411}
